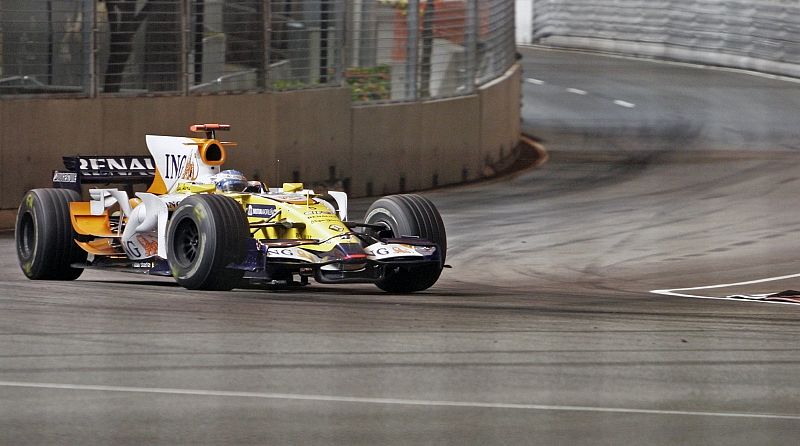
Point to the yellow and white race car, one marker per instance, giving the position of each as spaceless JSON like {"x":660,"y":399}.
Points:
{"x":211,"y":229}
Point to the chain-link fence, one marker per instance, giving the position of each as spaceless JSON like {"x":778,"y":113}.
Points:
{"x":444,"y":49}
{"x":384,"y":50}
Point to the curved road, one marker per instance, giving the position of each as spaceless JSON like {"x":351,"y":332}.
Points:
{"x":660,"y":177}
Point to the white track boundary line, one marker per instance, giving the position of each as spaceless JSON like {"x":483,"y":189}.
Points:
{"x":393,"y":401}
{"x":674,"y":291}
{"x":533,"y":81}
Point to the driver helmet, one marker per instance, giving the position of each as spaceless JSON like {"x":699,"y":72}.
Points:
{"x":230,"y":181}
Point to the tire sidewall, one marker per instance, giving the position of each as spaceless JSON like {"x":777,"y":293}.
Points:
{"x":28,"y":208}
{"x":44,"y":236}
{"x":193,"y":274}
{"x":222,"y":231}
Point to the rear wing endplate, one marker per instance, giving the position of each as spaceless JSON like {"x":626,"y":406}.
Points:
{"x":104,"y":169}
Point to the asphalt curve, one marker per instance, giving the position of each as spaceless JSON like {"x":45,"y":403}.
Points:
{"x":545,"y":331}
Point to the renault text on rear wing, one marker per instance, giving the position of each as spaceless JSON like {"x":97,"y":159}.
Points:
{"x":104,"y":169}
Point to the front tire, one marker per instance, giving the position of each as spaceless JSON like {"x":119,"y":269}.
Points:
{"x":409,"y":215}
{"x":44,"y":236}
{"x":205,"y":235}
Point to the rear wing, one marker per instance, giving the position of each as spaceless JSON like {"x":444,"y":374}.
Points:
{"x":101,"y":169}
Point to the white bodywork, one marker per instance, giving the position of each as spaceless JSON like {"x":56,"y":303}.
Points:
{"x":146,"y":224}
{"x":144,"y":235}
{"x":178,"y":160}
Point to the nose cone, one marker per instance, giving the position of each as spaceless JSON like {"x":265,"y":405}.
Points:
{"x":346,"y":257}
{"x":350,"y":252}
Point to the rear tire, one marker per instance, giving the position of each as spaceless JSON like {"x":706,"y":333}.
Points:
{"x":205,"y":235}
{"x":45,"y":240}
{"x":409,"y":215}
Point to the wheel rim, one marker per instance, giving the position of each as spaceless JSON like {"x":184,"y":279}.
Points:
{"x":27,"y":239}
{"x":187,"y":242}
{"x":382,"y":220}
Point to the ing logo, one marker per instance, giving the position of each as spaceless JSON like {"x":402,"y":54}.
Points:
{"x":180,"y":166}
{"x":150,"y":246}
{"x":190,"y":171}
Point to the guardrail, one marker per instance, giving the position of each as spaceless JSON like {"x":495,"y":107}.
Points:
{"x":762,"y":35}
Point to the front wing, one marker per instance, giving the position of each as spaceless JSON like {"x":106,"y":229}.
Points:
{"x":280,"y":260}
{"x":346,"y":263}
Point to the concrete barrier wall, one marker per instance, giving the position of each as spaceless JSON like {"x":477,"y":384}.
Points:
{"x":761,"y":35}
{"x":500,"y":121}
{"x":317,"y":135}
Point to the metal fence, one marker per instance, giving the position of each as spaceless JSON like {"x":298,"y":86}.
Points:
{"x":385,"y":50}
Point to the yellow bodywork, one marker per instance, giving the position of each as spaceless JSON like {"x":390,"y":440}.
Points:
{"x":193,"y":188}
{"x":320,"y":224}
{"x":292,"y":187}
{"x":322,"y":228}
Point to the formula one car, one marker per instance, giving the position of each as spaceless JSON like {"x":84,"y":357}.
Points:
{"x":211,"y":229}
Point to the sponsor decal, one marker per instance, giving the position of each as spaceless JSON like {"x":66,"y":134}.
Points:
{"x":128,"y":165}
{"x":292,"y":198}
{"x":172,"y":200}
{"x":381,"y":251}
{"x":316,"y":213}
{"x":292,"y":253}
{"x":132,"y":249}
{"x":190,"y":171}
{"x":141,"y":246}
{"x":261,"y":210}
{"x":65,"y":177}
{"x":175,"y":165}
{"x":281,"y":252}
{"x":396,"y":249}
{"x":150,"y":246}
{"x":336,"y":228}
{"x":323,"y":218}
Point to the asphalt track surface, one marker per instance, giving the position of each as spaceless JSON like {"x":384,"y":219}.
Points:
{"x":545,"y":331}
